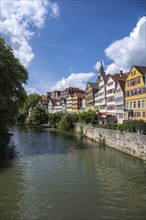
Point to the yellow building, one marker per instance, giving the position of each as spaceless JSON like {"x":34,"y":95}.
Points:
{"x":135,"y":94}
{"x":91,"y":89}
{"x":77,"y":102}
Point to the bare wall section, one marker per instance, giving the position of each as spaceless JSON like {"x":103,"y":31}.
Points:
{"x":130,"y":143}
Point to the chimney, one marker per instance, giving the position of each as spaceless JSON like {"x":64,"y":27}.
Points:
{"x":121,"y":72}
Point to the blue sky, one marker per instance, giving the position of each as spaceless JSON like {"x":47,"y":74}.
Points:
{"x":61,"y":42}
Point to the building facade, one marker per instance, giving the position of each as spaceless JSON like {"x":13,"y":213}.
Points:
{"x":69,"y":103}
{"x":91,"y":89}
{"x":77,"y":102}
{"x":120,"y":101}
{"x":100,"y":95}
{"x":135,"y":93}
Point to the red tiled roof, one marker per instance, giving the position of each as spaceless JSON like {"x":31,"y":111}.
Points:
{"x":119,"y":77}
{"x":141,"y":69}
{"x":79,"y":95}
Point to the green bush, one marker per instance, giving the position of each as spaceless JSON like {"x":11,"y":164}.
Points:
{"x":122,"y":127}
{"x":112,"y":126}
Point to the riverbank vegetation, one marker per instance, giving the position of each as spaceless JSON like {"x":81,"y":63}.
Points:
{"x":66,"y":121}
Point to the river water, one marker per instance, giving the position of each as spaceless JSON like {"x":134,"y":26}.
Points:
{"x":56,"y":176}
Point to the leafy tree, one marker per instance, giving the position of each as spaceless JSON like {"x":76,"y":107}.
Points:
{"x":53,"y":119}
{"x":31,"y":101}
{"x":88,"y":117}
{"x":22,"y":115}
{"x":67,"y":122}
{"x":38,"y":115}
{"x":12,"y":94}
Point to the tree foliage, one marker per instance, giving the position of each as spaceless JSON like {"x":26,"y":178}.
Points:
{"x":38,"y":115}
{"x":88,"y":117}
{"x":67,"y":122}
{"x":12,"y":94}
{"x":53,"y":119}
{"x":31,"y":101}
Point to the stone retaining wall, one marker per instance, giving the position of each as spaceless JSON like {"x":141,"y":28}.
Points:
{"x":130,"y":143}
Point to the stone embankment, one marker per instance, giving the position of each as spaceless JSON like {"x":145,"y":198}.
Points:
{"x":130,"y":143}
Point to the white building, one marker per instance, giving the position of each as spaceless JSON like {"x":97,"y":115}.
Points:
{"x":119,"y":101}
{"x":60,"y":105}
{"x":110,"y":94}
{"x":100,"y":95}
{"x":110,"y":91}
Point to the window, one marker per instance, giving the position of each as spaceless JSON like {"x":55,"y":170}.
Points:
{"x":138,"y":114}
{"x":143,"y":114}
{"x":138,"y":104}
{"x":127,"y":94}
{"x":143,"y":103}
{"x":111,"y":107}
{"x":143,"y":90}
{"x":110,"y":83}
{"x":130,"y":104}
{"x":135,"y":92}
{"x":131,"y":93}
{"x":119,"y":107}
{"x":137,"y":81}
{"x":120,"y":115}
{"x":134,"y":105}
{"x":127,"y":104}
{"x":133,"y":73}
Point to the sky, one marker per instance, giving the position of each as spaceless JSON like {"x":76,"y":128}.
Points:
{"x":62,"y":42}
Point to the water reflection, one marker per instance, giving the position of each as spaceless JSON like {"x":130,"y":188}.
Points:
{"x":59,"y":176}
{"x":7,"y":154}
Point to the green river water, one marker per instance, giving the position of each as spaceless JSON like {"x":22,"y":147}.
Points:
{"x":57,"y":176}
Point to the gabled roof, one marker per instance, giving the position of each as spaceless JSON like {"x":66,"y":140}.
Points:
{"x":105,"y":78}
{"x":141,"y":69}
{"x":93,"y":85}
{"x":122,"y":84}
{"x":118,"y":77}
{"x":79,"y":95}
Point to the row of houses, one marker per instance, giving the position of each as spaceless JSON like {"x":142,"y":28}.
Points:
{"x":69,"y":100}
{"x":122,"y":95}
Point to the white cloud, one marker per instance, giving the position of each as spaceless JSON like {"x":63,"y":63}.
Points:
{"x":130,"y":50}
{"x":78,"y":80}
{"x":30,"y":90}
{"x":19,"y":21}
